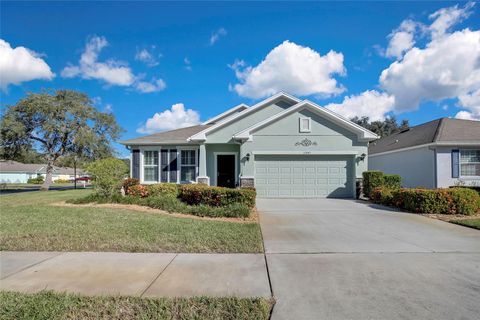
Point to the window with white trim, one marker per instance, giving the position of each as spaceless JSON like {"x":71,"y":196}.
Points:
{"x":305,"y":124}
{"x":469,"y":162}
{"x":188,"y":165}
{"x":150,"y":166}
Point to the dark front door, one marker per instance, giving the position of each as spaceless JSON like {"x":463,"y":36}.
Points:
{"x":226,"y":170}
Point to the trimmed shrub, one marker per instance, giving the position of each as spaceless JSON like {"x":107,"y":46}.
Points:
{"x":372,"y":179}
{"x":196,"y":194}
{"x":107,"y":175}
{"x":437,"y":201}
{"x":37,"y":180}
{"x":160,"y":189}
{"x":392,"y":181}
{"x":171,"y":204}
{"x":466,"y":200}
{"x":138,"y":190}
{"x":382,"y":195}
{"x":130,"y":182}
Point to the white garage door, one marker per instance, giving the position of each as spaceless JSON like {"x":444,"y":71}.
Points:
{"x":303,"y":176}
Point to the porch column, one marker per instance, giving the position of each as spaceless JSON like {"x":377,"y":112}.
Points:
{"x":202,"y":166}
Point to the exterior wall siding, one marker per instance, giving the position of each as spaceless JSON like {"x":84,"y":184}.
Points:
{"x":444,"y":169}
{"x":224,"y":134}
{"x":415,"y":166}
{"x":285,"y":135}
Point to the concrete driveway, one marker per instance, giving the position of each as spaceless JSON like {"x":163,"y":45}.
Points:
{"x":345,"y":259}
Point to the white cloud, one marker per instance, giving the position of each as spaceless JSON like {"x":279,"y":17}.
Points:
{"x":20,"y":64}
{"x":471,"y":102}
{"x":445,"y":18}
{"x":449,"y":66}
{"x":188,"y":64}
{"x":292,"y":68}
{"x":216,"y":35}
{"x":371,"y":104}
{"x":108,"y":108}
{"x":111,"y":71}
{"x":147,"y":57}
{"x":401,"y":39}
{"x":176,"y":117}
{"x":148,"y":87}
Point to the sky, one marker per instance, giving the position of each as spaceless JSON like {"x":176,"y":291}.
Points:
{"x":159,"y":66}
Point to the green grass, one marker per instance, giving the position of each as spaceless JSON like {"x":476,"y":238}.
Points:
{"x":30,"y":223}
{"x":49,"y":305}
{"x":472,"y":223}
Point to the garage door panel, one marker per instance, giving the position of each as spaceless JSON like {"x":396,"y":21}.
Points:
{"x":303,"y":176}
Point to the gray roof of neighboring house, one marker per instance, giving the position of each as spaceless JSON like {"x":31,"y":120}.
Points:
{"x":441,"y":130}
{"x":167,"y":137}
{"x":15,"y":166}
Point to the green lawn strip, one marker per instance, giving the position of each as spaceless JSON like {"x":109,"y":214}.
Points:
{"x":472,"y":223}
{"x":30,"y":223}
{"x":50,"y":305}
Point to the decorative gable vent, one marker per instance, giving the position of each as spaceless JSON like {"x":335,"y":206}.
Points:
{"x":305,"y":124}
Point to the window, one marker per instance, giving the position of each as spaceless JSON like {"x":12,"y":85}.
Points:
{"x":150,"y":165}
{"x":188,"y":165}
{"x":470,"y":162}
{"x":305,"y":125}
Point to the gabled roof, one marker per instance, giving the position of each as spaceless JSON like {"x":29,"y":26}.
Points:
{"x":201,"y":136}
{"x":167,"y":137}
{"x":440,"y":131}
{"x":226,"y":114}
{"x":363,"y":134}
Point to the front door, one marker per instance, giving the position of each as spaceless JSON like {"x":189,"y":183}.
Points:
{"x":226,"y":170}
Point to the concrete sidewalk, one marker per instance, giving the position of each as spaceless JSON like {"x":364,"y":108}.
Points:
{"x":136,"y":274}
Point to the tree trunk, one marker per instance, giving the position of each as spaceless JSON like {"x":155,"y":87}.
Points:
{"x":48,"y":177}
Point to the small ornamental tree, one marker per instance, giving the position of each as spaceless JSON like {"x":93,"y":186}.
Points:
{"x":107,"y":175}
{"x":59,"y":124}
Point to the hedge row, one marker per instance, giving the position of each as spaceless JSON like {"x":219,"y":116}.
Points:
{"x":438,"y":201}
{"x":171,"y":204}
{"x":374,"y":179}
{"x":193,"y":194}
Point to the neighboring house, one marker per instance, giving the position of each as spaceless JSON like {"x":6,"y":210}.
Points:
{"x":437,"y":154}
{"x":17,"y":172}
{"x":282,"y":146}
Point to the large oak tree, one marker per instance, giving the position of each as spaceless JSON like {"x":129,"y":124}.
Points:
{"x":58,"y":124}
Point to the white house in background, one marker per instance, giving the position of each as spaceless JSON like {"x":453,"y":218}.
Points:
{"x":437,"y":154}
{"x":17,"y":172}
{"x":283,"y":146}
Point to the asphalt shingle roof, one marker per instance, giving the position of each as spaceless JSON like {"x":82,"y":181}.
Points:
{"x":440,"y":130}
{"x":167,"y":137}
{"x":15,"y":166}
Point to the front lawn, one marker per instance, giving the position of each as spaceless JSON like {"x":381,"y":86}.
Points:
{"x":472,"y":223}
{"x":49,"y":305}
{"x":29,"y":222}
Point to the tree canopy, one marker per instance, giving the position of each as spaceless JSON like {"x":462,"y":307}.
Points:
{"x":58,"y":124}
{"x":382,"y":128}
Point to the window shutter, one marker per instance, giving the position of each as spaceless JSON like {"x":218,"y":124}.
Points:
{"x":136,"y":164}
{"x":164,"y":165}
{"x":455,"y":163}
{"x":173,"y":165}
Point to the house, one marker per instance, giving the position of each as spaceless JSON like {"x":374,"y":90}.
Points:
{"x":17,"y":172}
{"x":437,"y":154}
{"x":282,"y":146}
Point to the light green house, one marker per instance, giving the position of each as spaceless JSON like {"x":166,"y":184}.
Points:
{"x":283,"y":146}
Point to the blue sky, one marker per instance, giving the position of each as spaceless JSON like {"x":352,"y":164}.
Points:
{"x":146,"y":57}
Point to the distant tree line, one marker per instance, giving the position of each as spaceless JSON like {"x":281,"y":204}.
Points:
{"x":382,"y":128}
